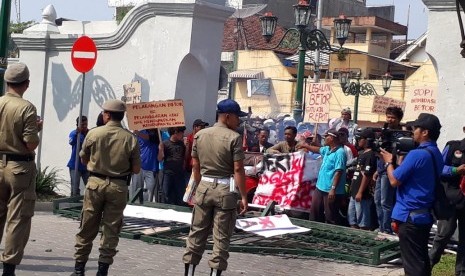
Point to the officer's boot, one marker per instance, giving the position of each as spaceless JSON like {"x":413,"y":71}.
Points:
{"x":79,"y":269}
{"x":102,"y":269}
{"x":189,"y":269}
{"x":8,"y":269}
{"x":216,"y":272}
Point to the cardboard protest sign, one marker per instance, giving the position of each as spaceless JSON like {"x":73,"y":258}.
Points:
{"x":160,"y":114}
{"x":380,"y":103}
{"x":317,"y":103}
{"x":420,"y":99}
{"x":132,"y":93}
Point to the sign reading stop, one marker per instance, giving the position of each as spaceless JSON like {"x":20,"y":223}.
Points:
{"x":84,"y":54}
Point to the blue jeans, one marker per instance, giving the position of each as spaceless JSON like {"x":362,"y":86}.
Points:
{"x":359,"y":213}
{"x":174,"y":187}
{"x":145,"y":180}
{"x":384,"y":200}
{"x":76,"y":185}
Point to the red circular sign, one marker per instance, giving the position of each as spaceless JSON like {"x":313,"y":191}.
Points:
{"x":84,"y":54}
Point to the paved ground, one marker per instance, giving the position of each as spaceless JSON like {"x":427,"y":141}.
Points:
{"x":50,"y":251}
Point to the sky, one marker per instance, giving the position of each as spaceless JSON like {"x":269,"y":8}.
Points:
{"x":88,"y":10}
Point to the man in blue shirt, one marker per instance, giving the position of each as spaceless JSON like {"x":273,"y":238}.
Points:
{"x":415,"y":180}
{"x":82,"y":170}
{"x":330,"y":186}
{"x":147,"y":178}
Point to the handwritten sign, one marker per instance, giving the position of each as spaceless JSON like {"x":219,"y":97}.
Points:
{"x":420,"y":99}
{"x":132,"y":93}
{"x":317,"y":102}
{"x":380,"y":103}
{"x":158,"y":114}
{"x":282,"y":182}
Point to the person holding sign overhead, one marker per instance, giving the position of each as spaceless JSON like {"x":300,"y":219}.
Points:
{"x":172,"y":152}
{"x":217,"y":155}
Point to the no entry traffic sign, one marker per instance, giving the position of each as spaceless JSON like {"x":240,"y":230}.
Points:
{"x":84,"y":54}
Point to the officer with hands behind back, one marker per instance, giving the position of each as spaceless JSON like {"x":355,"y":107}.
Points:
{"x":111,"y":154}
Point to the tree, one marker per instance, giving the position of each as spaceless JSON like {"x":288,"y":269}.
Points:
{"x":16,"y":28}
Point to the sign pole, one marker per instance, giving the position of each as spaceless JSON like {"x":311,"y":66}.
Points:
{"x":83,"y":57}
{"x":77,"y":179}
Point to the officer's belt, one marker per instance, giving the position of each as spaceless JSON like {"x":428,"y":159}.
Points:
{"x":99,"y":175}
{"x":224,"y":181}
{"x":16,"y":157}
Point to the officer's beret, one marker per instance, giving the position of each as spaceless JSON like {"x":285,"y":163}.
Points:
{"x":114,"y":106}
{"x":16,"y":73}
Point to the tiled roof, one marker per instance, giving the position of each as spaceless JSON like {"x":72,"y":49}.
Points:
{"x":253,"y":34}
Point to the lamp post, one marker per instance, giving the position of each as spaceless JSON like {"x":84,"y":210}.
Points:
{"x":4,"y":23}
{"x":365,"y":89}
{"x":309,"y":40}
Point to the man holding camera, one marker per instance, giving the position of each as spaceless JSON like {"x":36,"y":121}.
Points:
{"x":453,"y":179}
{"x":415,"y":179}
{"x":384,"y":193}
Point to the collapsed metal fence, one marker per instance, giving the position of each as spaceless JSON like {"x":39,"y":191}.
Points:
{"x":323,"y":241}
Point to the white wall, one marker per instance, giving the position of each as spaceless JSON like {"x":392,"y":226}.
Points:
{"x":173,"y":49}
{"x":444,"y":51}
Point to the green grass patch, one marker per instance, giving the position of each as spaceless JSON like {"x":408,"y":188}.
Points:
{"x":446,"y":267}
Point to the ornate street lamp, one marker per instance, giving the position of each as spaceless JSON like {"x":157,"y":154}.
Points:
{"x":461,"y":3}
{"x":342,"y":26}
{"x":365,"y":89}
{"x":308,"y":40}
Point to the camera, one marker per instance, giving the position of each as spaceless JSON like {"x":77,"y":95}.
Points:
{"x":395,"y":141}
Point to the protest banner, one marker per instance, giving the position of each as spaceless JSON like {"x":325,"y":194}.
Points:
{"x":269,"y":226}
{"x":380,"y":103}
{"x":282,"y":182}
{"x":420,"y":99}
{"x":132,"y":93}
{"x":317,"y":103}
{"x":159,"y":114}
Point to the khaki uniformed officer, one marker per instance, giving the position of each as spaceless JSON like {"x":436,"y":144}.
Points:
{"x":18,"y":139}
{"x":216,"y":156}
{"x":112,"y":154}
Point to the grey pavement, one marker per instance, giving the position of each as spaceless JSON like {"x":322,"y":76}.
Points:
{"x":50,"y":252}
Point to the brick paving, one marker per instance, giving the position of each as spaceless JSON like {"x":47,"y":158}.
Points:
{"x":50,"y":252}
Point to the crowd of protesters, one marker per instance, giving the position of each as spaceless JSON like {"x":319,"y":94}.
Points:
{"x":357,"y":186}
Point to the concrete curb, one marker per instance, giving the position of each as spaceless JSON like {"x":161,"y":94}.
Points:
{"x":43,"y":206}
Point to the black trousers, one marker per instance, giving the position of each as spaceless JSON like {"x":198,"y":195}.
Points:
{"x":325,"y":210}
{"x":413,"y":239}
{"x":446,"y":228}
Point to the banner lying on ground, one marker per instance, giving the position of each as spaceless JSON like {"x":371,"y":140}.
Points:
{"x":282,"y":182}
{"x":159,"y":114}
{"x":269,"y":226}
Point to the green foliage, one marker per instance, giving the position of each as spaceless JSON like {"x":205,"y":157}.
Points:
{"x":121,"y":12}
{"x":446,"y":267}
{"x":47,"y":181}
{"x":341,"y":55}
{"x":16,"y":28}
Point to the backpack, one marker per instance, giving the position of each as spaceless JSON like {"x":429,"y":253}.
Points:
{"x":442,"y":207}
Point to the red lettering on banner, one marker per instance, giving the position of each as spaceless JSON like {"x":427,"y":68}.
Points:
{"x":266,"y":222}
{"x":282,"y":182}
{"x":248,"y":224}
